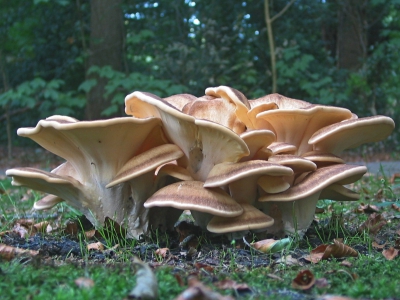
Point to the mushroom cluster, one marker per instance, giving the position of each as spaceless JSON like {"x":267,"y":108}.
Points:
{"x":238,"y":165}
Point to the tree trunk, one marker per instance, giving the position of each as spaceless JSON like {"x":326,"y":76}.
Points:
{"x":106,"y":40}
{"x":352,"y":34}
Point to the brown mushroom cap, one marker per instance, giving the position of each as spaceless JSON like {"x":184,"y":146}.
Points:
{"x":318,"y":180}
{"x":180,"y":100}
{"x":192,"y":195}
{"x":282,"y":148}
{"x":145,"y":162}
{"x":323,"y":159}
{"x":296,"y":163}
{"x":226,"y":173}
{"x":296,"y":126}
{"x":351,"y":133}
{"x":250,"y":219}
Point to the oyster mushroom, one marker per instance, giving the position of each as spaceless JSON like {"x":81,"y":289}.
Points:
{"x":297,"y":204}
{"x":95,"y":151}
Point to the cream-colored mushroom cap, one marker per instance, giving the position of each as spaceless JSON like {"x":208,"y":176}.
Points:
{"x":180,"y":100}
{"x":251,"y":219}
{"x":351,"y":133}
{"x":47,"y":202}
{"x":281,"y":101}
{"x":145,"y":162}
{"x":318,"y":180}
{"x":282,"y":148}
{"x":296,"y":126}
{"x":338,"y":192}
{"x":192,"y":195}
{"x":256,"y":140}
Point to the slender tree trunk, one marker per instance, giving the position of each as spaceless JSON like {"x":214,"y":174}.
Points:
{"x":352,"y":34}
{"x":271,"y":42}
{"x":106,"y":40}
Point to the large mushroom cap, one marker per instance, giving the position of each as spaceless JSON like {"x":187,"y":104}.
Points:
{"x":145,"y":162}
{"x":296,"y":163}
{"x":316,"y":181}
{"x":281,"y":101}
{"x":256,"y":140}
{"x":192,"y":195}
{"x":250,"y":219}
{"x":351,"y":133}
{"x":203,"y":142}
{"x":296,"y":126}
{"x":226,"y":173}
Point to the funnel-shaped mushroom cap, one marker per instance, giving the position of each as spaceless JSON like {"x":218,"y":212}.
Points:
{"x":192,"y":195}
{"x":235,"y":97}
{"x":281,"y":101}
{"x":226,"y":173}
{"x":204,"y":143}
{"x":339,"y":193}
{"x":180,"y":100}
{"x":296,"y":163}
{"x":256,"y":140}
{"x":318,"y":180}
{"x":296,"y":126}
{"x":145,"y":162}
{"x":93,"y":148}
{"x":323,"y":159}
{"x":351,"y":133}
{"x":217,"y":110}
{"x":47,"y":202}
{"x":282,"y":148}
{"x":250,"y":219}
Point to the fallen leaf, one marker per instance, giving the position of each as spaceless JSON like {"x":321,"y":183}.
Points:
{"x":390,"y":253}
{"x":21,"y":230}
{"x":71,"y":228}
{"x":335,"y":250}
{"x":374,"y":223}
{"x":206,"y":267}
{"x":269,"y":245}
{"x":162,"y":252}
{"x":395,"y":207}
{"x":273,"y":276}
{"x":228,"y":284}
{"x":198,"y":291}
{"x":375,"y":245}
{"x":346,"y":263}
{"x":367,"y":208}
{"x":84,"y":282}
{"x":304,"y":280}
{"x":394,"y":177}
{"x":146,"y":282}
{"x":9,"y":252}
{"x":96,"y":246}
{"x":288,"y":261}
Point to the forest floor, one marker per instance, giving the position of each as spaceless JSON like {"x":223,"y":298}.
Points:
{"x":58,"y":254}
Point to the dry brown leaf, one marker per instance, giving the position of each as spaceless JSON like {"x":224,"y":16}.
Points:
{"x":335,"y":250}
{"x":346,"y":263}
{"x":304,"y":280}
{"x":393,"y":178}
{"x":288,"y":260}
{"x":90,"y":234}
{"x":198,"y":291}
{"x":367,"y":208}
{"x":71,"y":228}
{"x":21,"y":230}
{"x":9,"y":252}
{"x":96,"y":246}
{"x":273,"y":276}
{"x":375,"y":245}
{"x":390,"y":253}
{"x":228,"y":284}
{"x":146,"y":282}
{"x":395,"y":207}
{"x":84,"y":282}
{"x":162,"y":252}
{"x":374,"y":223}
{"x":206,"y":267}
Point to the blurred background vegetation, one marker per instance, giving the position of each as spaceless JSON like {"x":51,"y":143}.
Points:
{"x":80,"y":58}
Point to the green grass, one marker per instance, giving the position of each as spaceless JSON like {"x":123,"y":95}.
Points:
{"x":369,"y":276}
